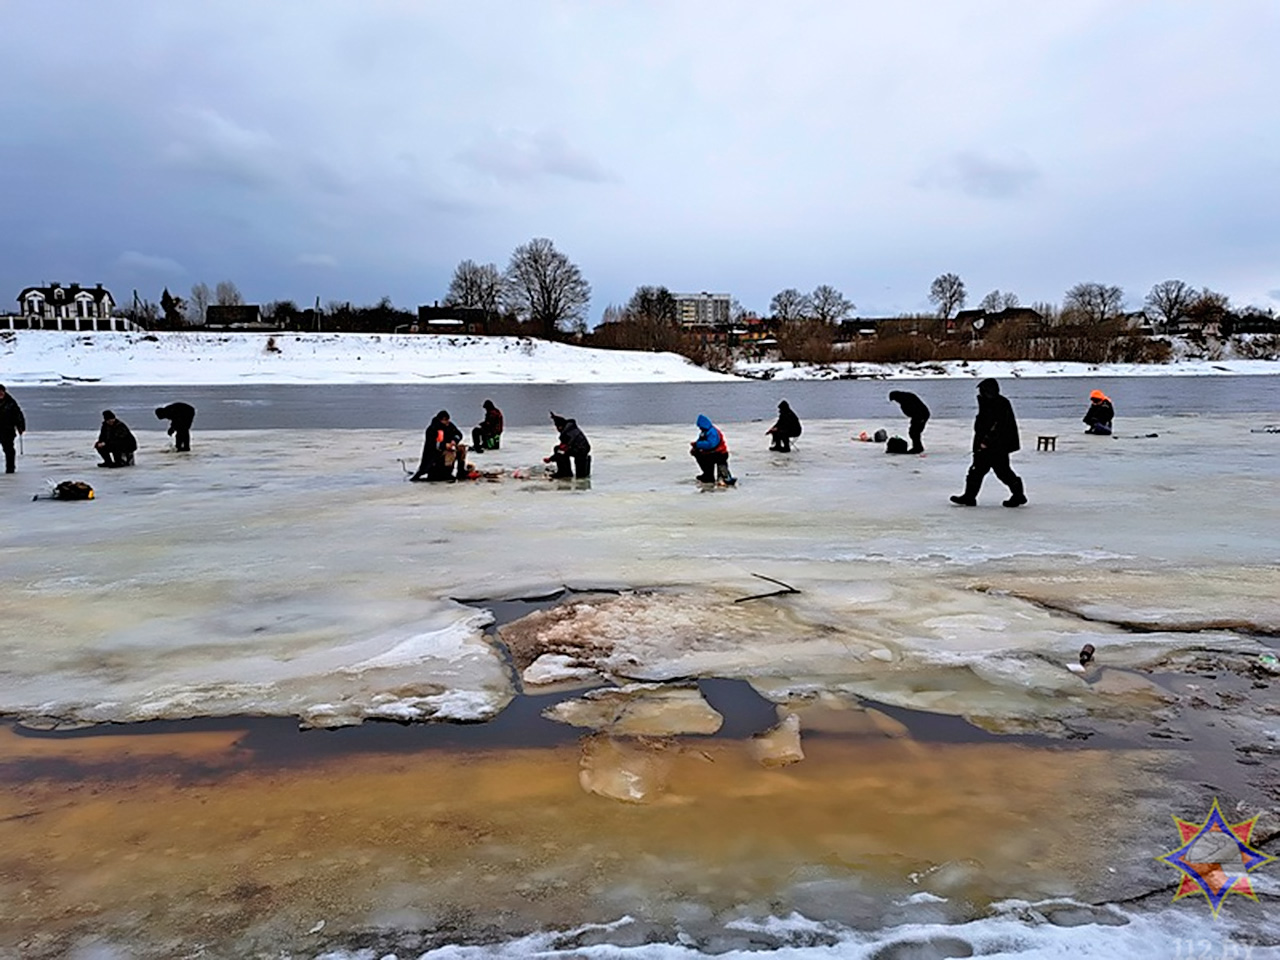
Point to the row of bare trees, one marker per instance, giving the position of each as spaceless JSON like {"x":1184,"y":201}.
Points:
{"x":540,"y":286}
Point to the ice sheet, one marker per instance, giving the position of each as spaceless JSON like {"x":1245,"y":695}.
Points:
{"x":297,"y":573}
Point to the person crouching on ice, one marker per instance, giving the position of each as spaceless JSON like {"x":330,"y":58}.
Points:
{"x":442,"y":452}
{"x":573,"y":446}
{"x":1099,"y":415}
{"x":711,"y":450}
{"x":116,"y":443}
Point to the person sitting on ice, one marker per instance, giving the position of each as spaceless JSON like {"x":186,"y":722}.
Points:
{"x":711,"y":450}
{"x":487,"y":435}
{"x":116,"y":442}
{"x":1099,"y":415}
{"x":785,"y":430}
{"x":573,"y":446}
{"x":442,"y":452}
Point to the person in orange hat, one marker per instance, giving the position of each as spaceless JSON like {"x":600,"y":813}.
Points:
{"x":1099,"y":415}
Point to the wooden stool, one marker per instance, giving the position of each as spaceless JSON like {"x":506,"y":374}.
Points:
{"x":1046,"y":443}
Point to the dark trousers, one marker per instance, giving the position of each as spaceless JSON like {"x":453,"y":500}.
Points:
{"x":9,"y":453}
{"x":712,"y":464}
{"x":581,"y":463}
{"x":988,"y":461}
{"x":781,"y":442}
{"x":484,"y":441}
{"x":115,"y":456}
{"x":182,"y":436}
{"x":915,"y":432}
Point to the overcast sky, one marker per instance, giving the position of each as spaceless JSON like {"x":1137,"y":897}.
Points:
{"x":360,"y":149}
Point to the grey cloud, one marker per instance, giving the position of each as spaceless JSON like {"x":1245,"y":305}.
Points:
{"x":982,"y":175}
{"x":316,"y":260}
{"x":210,"y":144}
{"x":522,"y":156}
{"x":147,"y":263}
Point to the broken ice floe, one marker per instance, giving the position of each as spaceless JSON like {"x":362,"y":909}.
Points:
{"x":641,"y":709}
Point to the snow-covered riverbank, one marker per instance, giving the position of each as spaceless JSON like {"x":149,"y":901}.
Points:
{"x":127,"y":359}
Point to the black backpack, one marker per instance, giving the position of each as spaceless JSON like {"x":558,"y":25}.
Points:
{"x":73,"y":490}
{"x":896,"y":445}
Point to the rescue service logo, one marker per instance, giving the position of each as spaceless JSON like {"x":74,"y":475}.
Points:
{"x":1216,"y":858}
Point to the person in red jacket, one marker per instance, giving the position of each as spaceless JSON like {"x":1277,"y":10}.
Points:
{"x":711,"y":450}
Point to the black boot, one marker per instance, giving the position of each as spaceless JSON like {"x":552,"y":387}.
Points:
{"x":1017,"y":497}
{"x":972,"y":485}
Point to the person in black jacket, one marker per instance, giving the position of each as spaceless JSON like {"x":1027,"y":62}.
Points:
{"x":574,"y":446}
{"x":995,"y":436}
{"x":1100,"y":414}
{"x":116,"y":443}
{"x":913,"y":407}
{"x":12,"y":423}
{"x":180,"y":416}
{"x":785,"y":430}
{"x":488,"y":434}
{"x":442,"y":442}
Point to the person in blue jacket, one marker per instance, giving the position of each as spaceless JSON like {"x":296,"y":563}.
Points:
{"x":711,"y":450}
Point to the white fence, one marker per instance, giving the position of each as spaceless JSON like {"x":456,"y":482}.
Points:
{"x":69,"y":324}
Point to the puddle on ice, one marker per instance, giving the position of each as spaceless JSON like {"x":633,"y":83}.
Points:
{"x":197,"y":838}
{"x":951,"y":758}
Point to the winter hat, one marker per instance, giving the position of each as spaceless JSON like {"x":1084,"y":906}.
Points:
{"x":1097,"y":395}
{"x":560,"y":422}
{"x":989,"y":388}
{"x":442,"y":415}
{"x":108,"y":415}
{"x":488,"y":404}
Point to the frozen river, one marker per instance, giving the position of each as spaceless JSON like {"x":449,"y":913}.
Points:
{"x":406,"y":406}
{"x":285,"y":569}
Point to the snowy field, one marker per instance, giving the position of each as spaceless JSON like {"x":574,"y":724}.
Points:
{"x":49,"y":357}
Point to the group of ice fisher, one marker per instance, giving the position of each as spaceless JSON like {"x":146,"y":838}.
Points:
{"x":995,"y":437}
{"x":444,"y":455}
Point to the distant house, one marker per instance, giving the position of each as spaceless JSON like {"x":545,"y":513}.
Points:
{"x":977,"y":323}
{"x":238,"y":316}
{"x":447,"y":319}
{"x":55,"y":307}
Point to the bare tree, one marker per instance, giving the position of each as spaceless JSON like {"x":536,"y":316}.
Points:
{"x":1207,"y":308}
{"x":175,"y":310}
{"x":998,"y":300}
{"x":656,"y":304}
{"x":829,"y":304}
{"x":544,"y":287}
{"x":227,"y":294}
{"x":201,"y":297}
{"x":947,"y":294}
{"x":478,"y":286}
{"x":1171,"y":299}
{"x":1093,"y":302}
{"x":790,"y":305}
